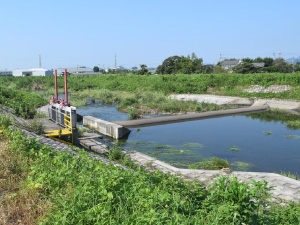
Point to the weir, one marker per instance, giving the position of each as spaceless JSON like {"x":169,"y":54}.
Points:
{"x":119,"y":129}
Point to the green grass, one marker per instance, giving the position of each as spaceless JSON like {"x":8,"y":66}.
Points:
{"x":81,"y":190}
{"x":223,"y":84}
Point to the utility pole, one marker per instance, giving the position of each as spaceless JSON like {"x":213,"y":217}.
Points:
{"x":279,"y":53}
{"x":220,"y":57}
{"x":274,"y":55}
{"x":40,"y":61}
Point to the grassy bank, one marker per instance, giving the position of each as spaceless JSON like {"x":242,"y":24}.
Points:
{"x":22,"y":103}
{"x":224,"y":84}
{"x":60,"y":188}
{"x":138,"y":103}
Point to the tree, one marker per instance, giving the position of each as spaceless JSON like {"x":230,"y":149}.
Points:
{"x":258,"y":60}
{"x":168,"y":65}
{"x":282,"y":66}
{"x":268,"y":61}
{"x":143,"y":69}
{"x":96,"y":69}
{"x":245,"y":67}
{"x":247,"y":60}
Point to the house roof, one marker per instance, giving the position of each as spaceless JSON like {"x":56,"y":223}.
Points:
{"x":259,"y":65}
{"x":230,"y":63}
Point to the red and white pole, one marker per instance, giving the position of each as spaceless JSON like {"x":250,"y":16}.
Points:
{"x":55,"y":79}
{"x":66,"y":88}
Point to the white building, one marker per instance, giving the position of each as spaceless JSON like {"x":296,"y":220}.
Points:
{"x":5,"y":73}
{"x":75,"y":70}
{"x":32,"y":72}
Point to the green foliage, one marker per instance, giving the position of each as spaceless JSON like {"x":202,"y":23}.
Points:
{"x":5,"y":121}
{"x":236,"y":149}
{"x":22,"y":103}
{"x":244,"y":68}
{"x":176,"y":64}
{"x":36,"y":126}
{"x":294,"y":124}
{"x":82,"y":190}
{"x":233,"y":201}
{"x":295,"y":176}
{"x":214,"y":163}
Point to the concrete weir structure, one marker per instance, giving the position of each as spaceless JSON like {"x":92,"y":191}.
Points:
{"x":118,"y":129}
{"x":104,"y":127}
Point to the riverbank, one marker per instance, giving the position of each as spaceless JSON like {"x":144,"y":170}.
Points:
{"x":283,"y":104}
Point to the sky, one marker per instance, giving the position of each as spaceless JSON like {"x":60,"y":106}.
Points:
{"x":89,"y":33}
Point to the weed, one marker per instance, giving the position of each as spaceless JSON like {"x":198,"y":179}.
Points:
{"x":5,"y":121}
{"x":291,"y":136}
{"x":193,"y":145}
{"x":295,"y":176}
{"x":133,"y":113}
{"x":36,"y":126}
{"x":294,"y":124}
{"x":234,"y":148}
{"x":163,"y":146}
{"x":81,"y":130}
{"x":267,"y":132}
{"x":214,"y":163}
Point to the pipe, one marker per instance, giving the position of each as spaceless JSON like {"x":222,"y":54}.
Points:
{"x":66,"y":87}
{"x":55,"y":79}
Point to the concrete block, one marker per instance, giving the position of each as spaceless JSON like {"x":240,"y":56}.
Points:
{"x":105,"y":127}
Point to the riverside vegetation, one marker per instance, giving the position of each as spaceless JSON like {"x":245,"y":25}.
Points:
{"x":39,"y":185}
{"x":148,"y":94}
{"x":42,"y":186}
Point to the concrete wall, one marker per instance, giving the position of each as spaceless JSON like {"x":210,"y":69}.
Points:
{"x":105,"y":127}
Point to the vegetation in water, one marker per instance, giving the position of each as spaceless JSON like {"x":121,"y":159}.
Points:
{"x":295,"y":176}
{"x":172,"y":151}
{"x":163,"y":146}
{"x":75,"y":101}
{"x":295,"y":124}
{"x":267,"y":132}
{"x":193,"y":145}
{"x":213,"y":163}
{"x":234,"y":148}
{"x":240,"y":166}
{"x":291,"y":136}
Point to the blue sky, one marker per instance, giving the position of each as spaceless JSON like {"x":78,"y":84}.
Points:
{"x":89,"y":33}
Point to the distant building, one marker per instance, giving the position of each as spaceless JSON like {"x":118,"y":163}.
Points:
{"x":259,"y":65}
{"x":32,"y":72}
{"x":6,"y":73}
{"x":230,"y":63}
{"x":76,"y":71}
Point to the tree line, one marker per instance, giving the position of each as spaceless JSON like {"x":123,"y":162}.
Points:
{"x":191,"y":64}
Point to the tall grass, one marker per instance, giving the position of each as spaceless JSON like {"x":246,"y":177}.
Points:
{"x":76,"y":189}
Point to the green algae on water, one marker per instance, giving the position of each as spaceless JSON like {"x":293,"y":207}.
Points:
{"x":163,"y":146}
{"x":291,"y":136}
{"x":241,"y":166}
{"x":234,"y":148}
{"x":193,"y":145}
{"x":172,"y":151}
